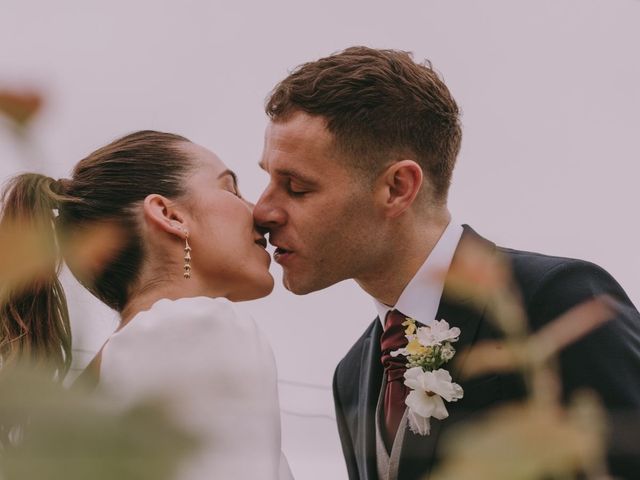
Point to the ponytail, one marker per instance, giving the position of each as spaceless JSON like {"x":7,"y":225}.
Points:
{"x":105,"y":189}
{"x":34,"y":318}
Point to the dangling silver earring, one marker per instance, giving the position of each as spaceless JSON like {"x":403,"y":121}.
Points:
{"x":187,"y":257}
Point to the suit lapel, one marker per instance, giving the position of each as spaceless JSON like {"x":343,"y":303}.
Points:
{"x":369,"y":389}
{"x":460,"y":311}
{"x":419,"y":452}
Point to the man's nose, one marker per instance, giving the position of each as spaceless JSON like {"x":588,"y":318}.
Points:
{"x":267,"y":213}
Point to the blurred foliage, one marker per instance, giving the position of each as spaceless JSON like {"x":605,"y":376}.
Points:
{"x":539,"y":437}
{"x":24,"y":256}
{"x":48,"y":432}
{"x":532,"y":440}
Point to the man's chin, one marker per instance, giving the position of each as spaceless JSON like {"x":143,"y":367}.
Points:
{"x":297,"y":286}
{"x":300,"y":286}
{"x":296,"y":289}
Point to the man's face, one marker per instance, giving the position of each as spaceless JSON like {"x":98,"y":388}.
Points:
{"x":320,"y":212}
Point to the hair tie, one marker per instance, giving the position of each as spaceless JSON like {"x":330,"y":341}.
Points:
{"x":60,"y":186}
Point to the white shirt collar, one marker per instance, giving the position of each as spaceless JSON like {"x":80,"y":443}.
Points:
{"x":421,"y":297}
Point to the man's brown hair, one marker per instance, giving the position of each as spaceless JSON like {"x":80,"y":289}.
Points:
{"x":381,"y":106}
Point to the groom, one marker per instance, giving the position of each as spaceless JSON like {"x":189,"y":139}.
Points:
{"x":360,"y":152}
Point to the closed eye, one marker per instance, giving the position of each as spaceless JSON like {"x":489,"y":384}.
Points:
{"x":294,"y":190}
{"x":231,"y":183}
{"x":236,"y":192}
{"x":232,"y":187}
{"x":296,"y":193}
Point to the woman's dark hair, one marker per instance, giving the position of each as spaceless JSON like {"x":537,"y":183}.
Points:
{"x":104,"y":189}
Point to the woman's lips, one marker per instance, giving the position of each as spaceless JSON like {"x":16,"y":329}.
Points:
{"x":262,"y":242}
{"x":281,"y":255}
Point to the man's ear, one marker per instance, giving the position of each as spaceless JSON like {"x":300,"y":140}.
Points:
{"x":160,"y":213}
{"x":398,"y":187}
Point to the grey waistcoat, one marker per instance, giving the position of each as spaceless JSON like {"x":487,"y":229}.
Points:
{"x":388,"y":463}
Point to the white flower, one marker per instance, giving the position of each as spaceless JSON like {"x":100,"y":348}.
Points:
{"x":426,"y":399}
{"x":447,"y":352}
{"x":436,"y":333}
{"x":425,"y":405}
{"x":418,"y":424}
{"x":428,"y":347}
{"x":438,"y":382}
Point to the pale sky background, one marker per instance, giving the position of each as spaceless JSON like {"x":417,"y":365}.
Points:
{"x":550,"y":93}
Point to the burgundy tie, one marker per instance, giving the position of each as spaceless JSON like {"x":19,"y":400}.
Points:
{"x":395,"y":392}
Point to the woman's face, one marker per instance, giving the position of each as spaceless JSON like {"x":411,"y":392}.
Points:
{"x":228,"y":253}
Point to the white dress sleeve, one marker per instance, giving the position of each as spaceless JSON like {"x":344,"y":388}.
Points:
{"x":216,"y":373}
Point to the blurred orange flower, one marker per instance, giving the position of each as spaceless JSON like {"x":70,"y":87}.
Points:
{"x":20,"y":106}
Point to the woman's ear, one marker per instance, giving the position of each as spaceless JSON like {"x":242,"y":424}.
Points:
{"x":161,"y":213}
{"x":398,"y":187}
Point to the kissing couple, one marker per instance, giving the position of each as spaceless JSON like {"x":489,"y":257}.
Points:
{"x":360,"y":151}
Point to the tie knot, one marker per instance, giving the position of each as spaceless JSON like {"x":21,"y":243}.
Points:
{"x":394,"y":320}
{"x":392,"y":339}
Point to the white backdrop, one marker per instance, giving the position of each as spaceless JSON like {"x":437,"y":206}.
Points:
{"x":549,"y":90}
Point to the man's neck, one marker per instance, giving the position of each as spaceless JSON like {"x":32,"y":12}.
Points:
{"x":387,"y":280}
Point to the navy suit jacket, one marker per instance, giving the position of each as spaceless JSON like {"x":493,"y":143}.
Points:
{"x":607,"y":360}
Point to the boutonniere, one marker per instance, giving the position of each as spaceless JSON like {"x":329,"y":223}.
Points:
{"x":429,"y":348}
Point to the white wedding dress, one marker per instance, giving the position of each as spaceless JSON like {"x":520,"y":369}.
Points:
{"x":215,"y":371}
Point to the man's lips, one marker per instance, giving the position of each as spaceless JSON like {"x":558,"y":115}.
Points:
{"x":282,"y":254}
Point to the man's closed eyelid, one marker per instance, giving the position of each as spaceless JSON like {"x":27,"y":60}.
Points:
{"x":297,"y":192}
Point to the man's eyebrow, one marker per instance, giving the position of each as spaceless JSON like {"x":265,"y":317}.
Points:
{"x":287,"y":172}
{"x":262,"y":165}
{"x":231,"y":173}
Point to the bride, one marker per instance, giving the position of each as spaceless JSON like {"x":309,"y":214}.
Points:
{"x":188,"y":249}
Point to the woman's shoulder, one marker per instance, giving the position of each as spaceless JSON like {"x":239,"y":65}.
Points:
{"x":197,"y":326}
{"x":204,"y":314}
{"x":191,"y":309}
